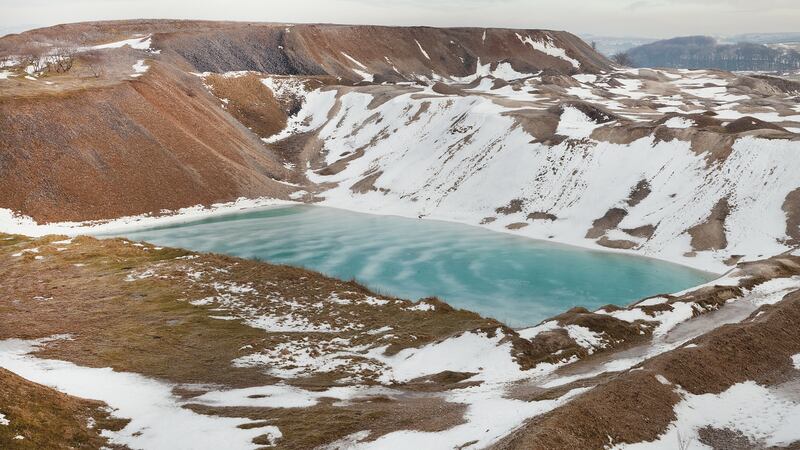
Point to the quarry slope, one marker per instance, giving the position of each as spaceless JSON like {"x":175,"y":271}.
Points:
{"x":388,"y":53}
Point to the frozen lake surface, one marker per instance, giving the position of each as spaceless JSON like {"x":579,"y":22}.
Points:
{"x":516,"y":280}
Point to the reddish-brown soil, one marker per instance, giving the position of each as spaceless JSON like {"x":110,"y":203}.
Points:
{"x":156,"y":142}
{"x":250,"y":102}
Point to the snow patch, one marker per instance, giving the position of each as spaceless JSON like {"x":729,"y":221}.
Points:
{"x":138,"y":43}
{"x":489,"y":417}
{"x":585,"y":337}
{"x":757,"y":412}
{"x":139,"y":68}
{"x":575,"y":124}
{"x":470,"y":352}
{"x":548,"y":47}
{"x":313,"y":113}
{"x":422,"y":50}
{"x":773,"y":291}
{"x":421,"y":306}
{"x":679,"y":122}
{"x":532,"y":332}
{"x":362,"y":72}
{"x":13,"y":223}
{"x":379,"y":330}
{"x":281,"y":396}
{"x":158,"y":420}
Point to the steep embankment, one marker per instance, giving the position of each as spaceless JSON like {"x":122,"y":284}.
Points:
{"x":346,"y":51}
{"x":137,"y":146}
{"x":377,"y":53}
{"x":507,"y":129}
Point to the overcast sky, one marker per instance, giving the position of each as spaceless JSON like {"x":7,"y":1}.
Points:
{"x":647,"y":18}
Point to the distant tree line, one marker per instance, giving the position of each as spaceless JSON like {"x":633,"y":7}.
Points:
{"x":701,"y":52}
{"x":622,"y":59}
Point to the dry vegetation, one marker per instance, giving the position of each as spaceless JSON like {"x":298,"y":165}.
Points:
{"x":129,"y":306}
{"x":47,"y":419}
{"x":148,"y":326}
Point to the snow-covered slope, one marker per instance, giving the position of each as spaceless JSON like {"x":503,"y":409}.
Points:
{"x":637,"y":176}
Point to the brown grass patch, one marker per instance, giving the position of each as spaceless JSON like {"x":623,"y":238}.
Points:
{"x":48,"y":419}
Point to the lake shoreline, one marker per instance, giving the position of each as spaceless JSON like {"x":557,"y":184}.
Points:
{"x":12,"y":223}
{"x":516,"y":280}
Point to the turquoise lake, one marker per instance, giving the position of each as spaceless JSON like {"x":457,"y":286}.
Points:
{"x":516,"y":280}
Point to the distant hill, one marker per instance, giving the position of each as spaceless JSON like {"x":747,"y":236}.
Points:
{"x":611,"y":45}
{"x":704,"y":52}
{"x":764,"y":38}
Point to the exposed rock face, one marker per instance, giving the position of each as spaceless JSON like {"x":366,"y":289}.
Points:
{"x":710,"y":235}
{"x":792,"y":208}
{"x":610,"y":220}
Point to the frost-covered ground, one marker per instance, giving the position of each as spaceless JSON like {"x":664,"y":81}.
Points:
{"x":158,"y":420}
